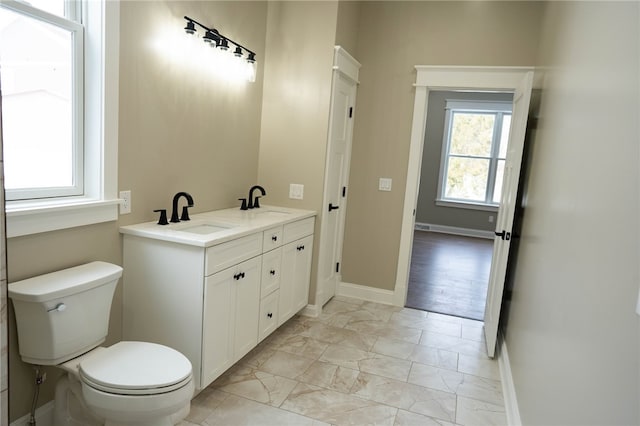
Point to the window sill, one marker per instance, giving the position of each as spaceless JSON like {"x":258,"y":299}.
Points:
{"x":26,"y":218}
{"x":467,"y":205}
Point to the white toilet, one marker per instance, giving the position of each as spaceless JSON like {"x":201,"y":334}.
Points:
{"x":62,"y":318}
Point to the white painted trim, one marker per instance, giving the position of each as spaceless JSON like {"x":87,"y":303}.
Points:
{"x":454,"y":230}
{"x":313,"y":311}
{"x":508,"y":387}
{"x":467,"y":205}
{"x":100,"y":203}
{"x":346,"y":64}
{"x":438,"y":78}
{"x":61,"y":216}
{"x":44,"y":416}
{"x":363,"y":292}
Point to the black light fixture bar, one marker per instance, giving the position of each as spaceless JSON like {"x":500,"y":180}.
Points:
{"x":190,"y":29}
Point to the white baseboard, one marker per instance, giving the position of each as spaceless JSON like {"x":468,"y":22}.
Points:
{"x":44,"y":416}
{"x":363,"y":292}
{"x":466,"y":232}
{"x":311,"y":311}
{"x":508,"y":387}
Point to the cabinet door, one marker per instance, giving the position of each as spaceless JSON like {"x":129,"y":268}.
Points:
{"x":230,"y":317}
{"x":247,"y":306}
{"x":302,"y":274}
{"x":294,"y":280}
{"x":218,"y":318}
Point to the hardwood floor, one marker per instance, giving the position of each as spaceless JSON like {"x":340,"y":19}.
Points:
{"x":449,"y":274}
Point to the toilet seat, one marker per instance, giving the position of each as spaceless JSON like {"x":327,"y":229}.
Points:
{"x":136,"y":368}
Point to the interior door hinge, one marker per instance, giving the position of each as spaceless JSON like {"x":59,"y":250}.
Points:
{"x":338,"y":267}
{"x":350,"y":112}
{"x":344,"y":191}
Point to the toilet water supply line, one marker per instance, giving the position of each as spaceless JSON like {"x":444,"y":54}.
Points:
{"x":40,"y":378}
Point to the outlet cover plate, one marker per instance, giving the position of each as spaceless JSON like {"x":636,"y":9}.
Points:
{"x":384,"y":184}
{"x":296,"y":191}
{"x":125,"y":204}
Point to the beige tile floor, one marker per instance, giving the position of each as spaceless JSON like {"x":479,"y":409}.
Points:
{"x":360,"y":363}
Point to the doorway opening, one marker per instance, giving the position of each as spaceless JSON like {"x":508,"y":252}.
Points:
{"x":465,"y":144}
{"x":519,"y":81}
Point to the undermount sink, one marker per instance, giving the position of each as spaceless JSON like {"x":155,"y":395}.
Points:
{"x":204,"y":228}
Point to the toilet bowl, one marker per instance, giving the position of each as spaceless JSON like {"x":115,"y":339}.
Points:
{"x":128,"y":383}
{"x":62,"y":319}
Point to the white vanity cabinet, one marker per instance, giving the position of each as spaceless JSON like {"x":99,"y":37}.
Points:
{"x":296,"y":268}
{"x":214,"y":303}
{"x":270,"y":283}
{"x":230,"y":316}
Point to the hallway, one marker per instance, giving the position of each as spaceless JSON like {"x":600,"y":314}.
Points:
{"x":449,"y":274}
{"x":360,"y":363}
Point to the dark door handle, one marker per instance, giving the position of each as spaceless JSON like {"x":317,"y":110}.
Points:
{"x":332,"y":207}
{"x":503,"y":235}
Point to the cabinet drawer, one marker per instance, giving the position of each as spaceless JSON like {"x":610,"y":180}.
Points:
{"x":299,"y":229}
{"x":272,"y":238}
{"x":232,"y":252}
{"x":268,"y":315}
{"x":271,"y":264}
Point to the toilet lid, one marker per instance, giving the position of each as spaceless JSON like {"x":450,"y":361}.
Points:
{"x":136,"y":368}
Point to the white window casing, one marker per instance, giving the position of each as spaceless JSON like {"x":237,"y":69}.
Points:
{"x":98,"y":200}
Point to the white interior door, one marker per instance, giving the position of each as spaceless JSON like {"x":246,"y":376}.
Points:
{"x":504,"y":222}
{"x":336,"y":176}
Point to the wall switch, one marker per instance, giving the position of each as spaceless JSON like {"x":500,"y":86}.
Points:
{"x":125,"y":203}
{"x":384,"y":184}
{"x":296,"y":191}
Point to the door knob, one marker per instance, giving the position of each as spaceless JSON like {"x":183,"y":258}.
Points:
{"x":332,"y":207}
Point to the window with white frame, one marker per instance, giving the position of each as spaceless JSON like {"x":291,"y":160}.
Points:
{"x":58,"y":74}
{"x":42,"y":71}
{"x":476,"y":135}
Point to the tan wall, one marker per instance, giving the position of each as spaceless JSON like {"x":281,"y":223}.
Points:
{"x":181,"y":129}
{"x":393,"y":37}
{"x":295,"y":110}
{"x":572,"y":334}
{"x":348,"y":25}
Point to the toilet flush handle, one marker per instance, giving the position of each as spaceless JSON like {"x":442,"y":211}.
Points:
{"x":58,"y":308}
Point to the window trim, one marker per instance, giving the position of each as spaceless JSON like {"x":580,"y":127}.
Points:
{"x":477,"y":106}
{"x":99,"y":202}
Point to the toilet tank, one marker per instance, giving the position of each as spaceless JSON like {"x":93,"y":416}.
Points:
{"x":63,"y":314}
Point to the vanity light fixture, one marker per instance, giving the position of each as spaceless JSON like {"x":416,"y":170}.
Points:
{"x":215,"y":39}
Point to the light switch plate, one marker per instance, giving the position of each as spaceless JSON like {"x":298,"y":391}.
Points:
{"x":296,"y":191}
{"x":384,"y":184}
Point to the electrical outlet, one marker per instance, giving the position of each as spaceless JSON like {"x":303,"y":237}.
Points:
{"x":384,"y":184}
{"x":296,"y":191}
{"x":125,"y":203}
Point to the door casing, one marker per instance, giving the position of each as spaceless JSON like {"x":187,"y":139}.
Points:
{"x":505,"y":79}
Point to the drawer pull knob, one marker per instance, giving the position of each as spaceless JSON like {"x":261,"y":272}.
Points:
{"x":274,"y":238}
{"x":238,"y":276}
{"x":272,"y":272}
{"x":300,"y":248}
{"x":270,"y":315}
